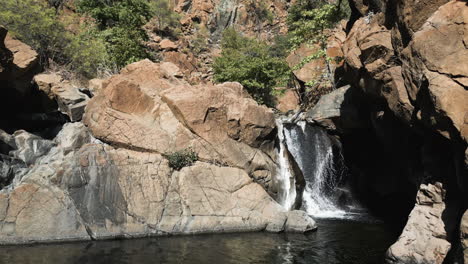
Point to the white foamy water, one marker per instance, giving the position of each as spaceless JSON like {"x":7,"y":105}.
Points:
{"x":287,"y":193}
{"x":312,"y":149}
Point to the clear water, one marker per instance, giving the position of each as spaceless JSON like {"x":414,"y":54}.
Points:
{"x":335,"y":242}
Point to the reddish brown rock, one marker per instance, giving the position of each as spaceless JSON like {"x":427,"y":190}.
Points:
{"x":147,"y":108}
{"x":167,"y":45}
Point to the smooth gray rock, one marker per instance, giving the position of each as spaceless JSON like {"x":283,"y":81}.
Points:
{"x":30,"y":147}
{"x":299,"y":222}
{"x":336,"y":110}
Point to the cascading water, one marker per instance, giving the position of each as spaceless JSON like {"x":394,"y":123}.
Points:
{"x":287,"y":193}
{"x":312,"y":149}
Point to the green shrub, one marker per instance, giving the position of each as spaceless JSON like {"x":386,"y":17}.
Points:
{"x":199,"y":42}
{"x":308,"y":19}
{"x":37,"y":24}
{"x":180,"y":159}
{"x":120,"y":22}
{"x":251,"y":63}
{"x":165,"y":17}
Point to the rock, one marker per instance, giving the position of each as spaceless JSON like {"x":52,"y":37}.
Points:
{"x":24,"y":57}
{"x":299,"y":222}
{"x":171,"y":70}
{"x":337,"y":110}
{"x":46,"y":81}
{"x":95,"y":85}
{"x":464,"y":235}
{"x":99,"y":192}
{"x":33,"y":213}
{"x":9,"y":169}
{"x":70,"y":100}
{"x":72,"y":137}
{"x":289,"y":101}
{"x":19,"y":65}
{"x":29,"y":147}
{"x":167,"y":45}
{"x":424,"y":239}
{"x":311,"y":71}
{"x":146,"y":108}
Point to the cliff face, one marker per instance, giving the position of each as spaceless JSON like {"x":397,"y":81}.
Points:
{"x":404,"y":120}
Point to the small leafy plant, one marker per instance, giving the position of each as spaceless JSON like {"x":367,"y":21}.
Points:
{"x":182,"y":158}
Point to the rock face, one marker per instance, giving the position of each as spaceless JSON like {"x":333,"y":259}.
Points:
{"x":424,"y":239}
{"x":111,"y":178}
{"x":406,"y":63}
{"x":163,"y":113}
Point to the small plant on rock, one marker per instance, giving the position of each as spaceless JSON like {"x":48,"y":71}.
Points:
{"x":182,"y":158}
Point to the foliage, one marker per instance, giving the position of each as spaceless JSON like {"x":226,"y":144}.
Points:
{"x":120,"y":23}
{"x":308,"y":20}
{"x":199,"y":42}
{"x":37,"y":24}
{"x":183,"y":158}
{"x":165,"y":17}
{"x":251,"y":63}
{"x":260,"y":10}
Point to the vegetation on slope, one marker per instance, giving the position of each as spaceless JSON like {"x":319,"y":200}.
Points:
{"x":253,"y":63}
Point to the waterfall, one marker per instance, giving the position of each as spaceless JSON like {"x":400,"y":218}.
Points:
{"x":287,"y":193}
{"x":312,"y":149}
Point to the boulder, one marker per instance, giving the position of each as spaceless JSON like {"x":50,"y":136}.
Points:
{"x":46,"y":81}
{"x":148,"y":108}
{"x":337,"y":110}
{"x":71,"y":101}
{"x":299,"y":222}
{"x":288,"y":101}
{"x":424,"y":239}
{"x":24,"y":57}
{"x":167,"y":45}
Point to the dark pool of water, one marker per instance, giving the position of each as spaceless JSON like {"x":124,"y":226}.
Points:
{"x":336,"y":241}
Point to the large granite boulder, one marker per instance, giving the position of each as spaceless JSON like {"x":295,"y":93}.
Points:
{"x":147,"y":108}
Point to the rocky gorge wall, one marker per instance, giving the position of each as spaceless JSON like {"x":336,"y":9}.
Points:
{"x":403,"y":120}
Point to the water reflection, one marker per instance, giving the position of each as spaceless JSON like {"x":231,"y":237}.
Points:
{"x":334,"y":242}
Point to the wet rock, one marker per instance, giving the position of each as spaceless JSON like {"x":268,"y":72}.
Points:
{"x":299,"y":222}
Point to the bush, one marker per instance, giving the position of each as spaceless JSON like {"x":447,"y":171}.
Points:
{"x":37,"y":24}
{"x":120,"y":22}
{"x":165,"y":17}
{"x":180,"y":159}
{"x":251,"y":63}
{"x":308,"y":19}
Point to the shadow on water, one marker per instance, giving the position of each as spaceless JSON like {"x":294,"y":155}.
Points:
{"x":336,"y":241}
